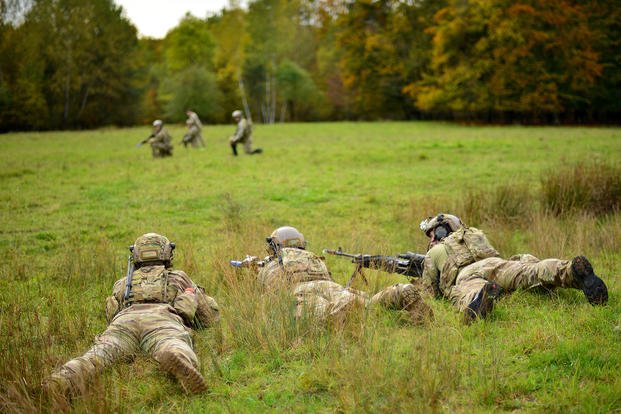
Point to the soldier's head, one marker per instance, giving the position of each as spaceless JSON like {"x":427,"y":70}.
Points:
{"x":440,"y":226}
{"x":286,"y":236}
{"x":152,"y":249}
{"x":157,"y":124}
{"x":237,"y":115}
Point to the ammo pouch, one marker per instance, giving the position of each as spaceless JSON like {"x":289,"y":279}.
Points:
{"x":303,"y":266}
{"x":150,"y":285}
{"x":464,"y":246}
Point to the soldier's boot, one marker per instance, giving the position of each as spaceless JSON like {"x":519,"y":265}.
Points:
{"x":257,"y":151}
{"x":483,"y":302}
{"x":593,"y":287}
{"x":188,"y":376}
{"x":416,"y":307}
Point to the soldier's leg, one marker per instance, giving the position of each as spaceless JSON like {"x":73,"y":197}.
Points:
{"x":404,"y":296}
{"x":170,"y":343}
{"x":248,"y":145}
{"x":526,"y":271}
{"x":324,"y":298}
{"x":474,"y":292}
{"x":117,"y":342}
{"x":201,"y":142}
{"x":195,"y":140}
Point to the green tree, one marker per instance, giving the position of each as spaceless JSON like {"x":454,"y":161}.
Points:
{"x":189,"y":44}
{"x":297,"y":90}
{"x":384,"y":48}
{"x":193,"y":88}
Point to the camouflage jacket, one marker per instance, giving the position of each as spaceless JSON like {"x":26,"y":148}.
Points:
{"x":459,"y":249}
{"x":243,"y":131}
{"x":157,"y":286}
{"x":194,"y":121}
{"x":293,"y":266}
{"x":161,"y":139}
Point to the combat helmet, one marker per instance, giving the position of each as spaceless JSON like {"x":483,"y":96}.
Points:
{"x":285,"y":236}
{"x":441,"y":225}
{"x":237,"y":114}
{"x":157,"y":123}
{"x":152,"y":247}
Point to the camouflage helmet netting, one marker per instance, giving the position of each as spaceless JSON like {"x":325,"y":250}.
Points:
{"x":152,"y":247}
{"x":288,"y":236}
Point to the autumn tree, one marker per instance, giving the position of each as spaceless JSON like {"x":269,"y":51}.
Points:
{"x":528,"y":60}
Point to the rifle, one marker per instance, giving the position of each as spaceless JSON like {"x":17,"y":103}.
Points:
{"x":250,"y":261}
{"x":128,"y":277}
{"x":144,"y":141}
{"x":357,"y":270}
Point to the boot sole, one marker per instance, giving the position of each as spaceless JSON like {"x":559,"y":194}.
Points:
{"x":190,"y":379}
{"x":490,"y":292}
{"x":592,"y":286}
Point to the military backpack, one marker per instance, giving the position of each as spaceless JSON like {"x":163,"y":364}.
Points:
{"x":464,"y":246}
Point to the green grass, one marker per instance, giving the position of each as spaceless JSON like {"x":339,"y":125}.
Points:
{"x":71,"y":203}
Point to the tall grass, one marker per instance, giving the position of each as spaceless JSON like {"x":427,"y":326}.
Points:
{"x":65,"y":226}
{"x":592,"y":187}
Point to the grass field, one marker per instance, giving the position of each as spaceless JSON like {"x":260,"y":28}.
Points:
{"x":71,"y":203}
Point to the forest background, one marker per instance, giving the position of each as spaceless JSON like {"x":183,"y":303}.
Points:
{"x":70,"y":64}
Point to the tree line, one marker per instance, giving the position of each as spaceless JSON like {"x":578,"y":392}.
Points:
{"x":73,"y":64}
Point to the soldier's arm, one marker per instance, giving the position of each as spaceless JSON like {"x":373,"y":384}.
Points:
{"x":196,"y":308}
{"x":207,"y":311}
{"x":239,"y":133}
{"x":431,"y":276}
{"x":113,"y":302}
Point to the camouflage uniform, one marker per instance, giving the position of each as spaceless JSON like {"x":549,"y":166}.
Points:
{"x":243,"y":134}
{"x":161,"y":143}
{"x":156,"y":320}
{"x":317,"y":293}
{"x":195,"y":127}
{"x":461,"y":264}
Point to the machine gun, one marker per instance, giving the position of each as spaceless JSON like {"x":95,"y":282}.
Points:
{"x":250,"y":261}
{"x":357,"y":270}
{"x":409,"y":264}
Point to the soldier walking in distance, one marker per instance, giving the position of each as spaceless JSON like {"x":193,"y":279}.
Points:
{"x":151,"y":310}
{"x":193,"y":136}
{"x":462,"y":265}
{"x":291,"y":266}
{"x":243,"y":134}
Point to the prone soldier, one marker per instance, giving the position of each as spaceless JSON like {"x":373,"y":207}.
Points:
{"x":462,"y":265}
{"x":289,"y":265}
{"x":151,"y":310}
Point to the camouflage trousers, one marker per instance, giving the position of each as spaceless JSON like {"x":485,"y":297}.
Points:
{"x":519,"y":272}
{"x":160,"y":149}
{"x":150,"y":328}
{"x":324,"y":299}
{"x":246,"y":141}
{"x":194,"y":137}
